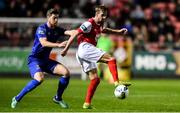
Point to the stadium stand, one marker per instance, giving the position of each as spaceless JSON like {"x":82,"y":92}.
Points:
{"x":153,"y":24}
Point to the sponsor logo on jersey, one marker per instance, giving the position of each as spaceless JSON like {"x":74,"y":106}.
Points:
{"x":37,"y":67}
{"x":41,"y":32}
{"x":83,"y":27}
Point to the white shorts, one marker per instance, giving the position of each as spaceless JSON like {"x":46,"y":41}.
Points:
{"x":88,"y":55}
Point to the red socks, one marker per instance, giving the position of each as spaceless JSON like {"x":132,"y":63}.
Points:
{"x":113,"y":69}
{"x":91,"y":89}
{"x":94,"y":83}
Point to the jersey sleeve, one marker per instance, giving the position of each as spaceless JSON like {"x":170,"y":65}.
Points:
{"x":85,"y":27}
{"x":41,"y":32}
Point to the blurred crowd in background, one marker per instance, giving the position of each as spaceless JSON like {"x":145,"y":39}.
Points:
{"x":153,"y":25}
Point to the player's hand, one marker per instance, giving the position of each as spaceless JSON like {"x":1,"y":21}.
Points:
{"x":123,"y":31}
{"x":63,"y":52}
{"x":62,"y":44}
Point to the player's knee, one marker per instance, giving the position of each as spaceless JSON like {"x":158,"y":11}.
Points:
{"x":106,"y":58}
{"x":111,"y":58}
{"x":93,"y":76}
{"x":39,"y":77}
{"x":67,"y":73}
{"x":64,"y":73}
{"x":97,"y":80}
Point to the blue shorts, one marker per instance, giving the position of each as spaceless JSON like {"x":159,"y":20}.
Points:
{"x":39,"y":65}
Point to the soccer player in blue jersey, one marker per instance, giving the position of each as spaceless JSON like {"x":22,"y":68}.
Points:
{"x":38,"y":61}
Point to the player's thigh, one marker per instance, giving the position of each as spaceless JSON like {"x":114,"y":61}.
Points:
{"x":105,"y":58}
{"x":35,"y":69}
{"x":86,"y":65}
{"x":89,"y":52}
{"x":55,"y":68}
{"x":61,"y":70}
{"x":90,"y":68}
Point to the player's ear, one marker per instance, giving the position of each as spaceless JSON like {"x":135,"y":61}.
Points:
{"x":48,"y":16}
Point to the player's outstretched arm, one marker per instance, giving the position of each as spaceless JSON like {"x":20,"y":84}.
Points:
{"x":62,"y":44}
{"x":122,"y":31}
{"x":72,"y":34}
{"x":46,"y":43}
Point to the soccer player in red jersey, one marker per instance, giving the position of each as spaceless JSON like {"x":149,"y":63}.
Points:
{"x":88,"y":55}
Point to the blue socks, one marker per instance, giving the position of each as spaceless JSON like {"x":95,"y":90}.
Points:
{"x":29,"y":87}
{"x":63,"y":83}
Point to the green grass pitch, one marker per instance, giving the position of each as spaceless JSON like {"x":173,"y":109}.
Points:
{"x":157,"y":95}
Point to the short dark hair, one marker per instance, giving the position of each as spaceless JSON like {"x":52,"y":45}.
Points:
{"x":101,"y":8}
{"x":52,"y":11}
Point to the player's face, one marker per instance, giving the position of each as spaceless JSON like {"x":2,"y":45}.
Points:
{"x":53,"y":20}
{"x":102,"y":16}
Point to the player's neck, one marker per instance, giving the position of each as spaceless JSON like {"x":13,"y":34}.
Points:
{"x":49,"y":25}
{"x":96,"y":21}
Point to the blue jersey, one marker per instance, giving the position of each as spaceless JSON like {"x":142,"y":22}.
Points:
{"x":52,"y":35}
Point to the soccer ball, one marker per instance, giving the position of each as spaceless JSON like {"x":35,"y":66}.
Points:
{"x":121,"y":91}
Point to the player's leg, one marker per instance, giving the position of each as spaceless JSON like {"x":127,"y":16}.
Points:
{"x":87,"y":55}
{"x":90,"y":68}
{"x":55,"y":68}
{"x":29,"y":87}
{"x":111,"y":61}
{"x":93,"y":54}
{"x":106,"y":58}
{"x":94,"y":81}
{"x":37,"y":76}
{"x":60,"y":70}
